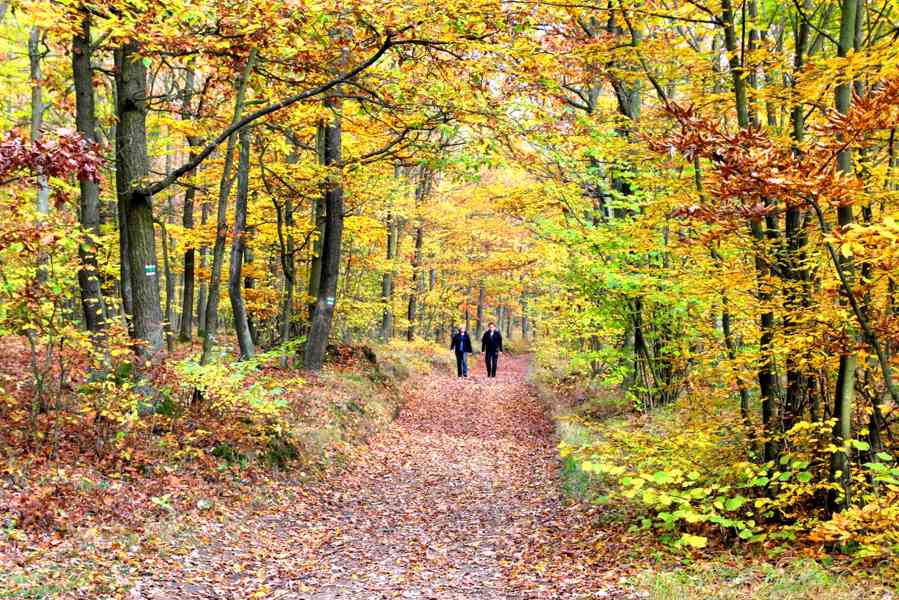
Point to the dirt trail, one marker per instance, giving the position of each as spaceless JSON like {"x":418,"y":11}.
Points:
{"x":459,"y":499}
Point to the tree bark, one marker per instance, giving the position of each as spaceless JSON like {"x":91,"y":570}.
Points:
{"x":432,"y":285}
{"x":288,"y":265}
{"x":37,"y":111}
{"x":479,"y":314}
{"x":249,"y":283}
{"x":387,"y":279}
{"x":221,"y":233}
{"x":89,"y":203}
{"x":204,"y":286}
{"x":238,"y":248}
{"x":319,"y":224}
{"x":132,"y":167}
{"x":169,"y":290}
{"x":844,"y":397}
{"x":766,"y":375}
{"x":323,"y":312}
{"x":524,"y":313}
{"x":797,"y":294}
{"x":467,"y":308}
{"x":416,"y":283}
{"x":735,"y":60}
{"x":124,"y":260}
{"x":422,"y":191}
{"x":186,"y":328}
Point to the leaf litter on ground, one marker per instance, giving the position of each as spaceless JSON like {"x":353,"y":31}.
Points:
{"x":459,"y":498}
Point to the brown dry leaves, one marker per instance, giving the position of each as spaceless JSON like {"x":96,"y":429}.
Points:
{"x":458,"y":499}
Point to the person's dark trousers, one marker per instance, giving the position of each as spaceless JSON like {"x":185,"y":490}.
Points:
{"x":492,"y":358}
{"x":461,"y":364}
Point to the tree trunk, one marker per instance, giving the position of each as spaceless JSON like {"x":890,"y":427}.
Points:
{"x":238,"y":247}
{"x":249,"y":282}
{"x":221,"y":233}
{"x":124,"y":261}
{"x":731,"y":346}
{"x":432,"y":285}
{"x":89,"y":205}
{"x":288,"y":266}
{"x":525,"y":325}
{"x":842,"y":431}
{"x":319,"y":224}
{"x":766,"y":376}
{"x":416,"y":283}
{"x":132,"y":167}
{"x":736,"y":67}
{"x":797,"y":293}
{"x":287,"y":248}
{"x":169,"y":290}
{"x":186,"y":328}
{"x":37,"y":111}
{"x":479,"y":315}
{"x":467,"y":308}
{"x":422,"y":191}
{"x":203,"y":295}
{"x":844,"y":396}
{"x":387,"y":279}
{"x":323,"y":312}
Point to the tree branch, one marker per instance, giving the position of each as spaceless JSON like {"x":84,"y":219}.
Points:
{"x":203,"y":154}
{"x":870,"y":335}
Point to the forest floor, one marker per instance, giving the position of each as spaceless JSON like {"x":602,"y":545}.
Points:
{"x":459,"y":498}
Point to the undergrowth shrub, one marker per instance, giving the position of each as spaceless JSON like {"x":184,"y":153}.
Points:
{"x":692,"y":484}
{"x":513,"y":346}
{"x":400,"y":358}
{"x":249,"y":403}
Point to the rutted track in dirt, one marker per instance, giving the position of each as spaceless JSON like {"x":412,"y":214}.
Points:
{"x":458,"y":499}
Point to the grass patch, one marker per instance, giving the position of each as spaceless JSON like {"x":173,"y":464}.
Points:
{"x":31,"y":587}
{"x":803,"y":579}
{"x":575,"y":483}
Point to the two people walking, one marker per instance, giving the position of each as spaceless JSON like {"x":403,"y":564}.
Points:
{"x":491,"y":346}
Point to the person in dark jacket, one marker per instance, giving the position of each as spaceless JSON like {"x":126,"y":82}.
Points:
{"x":492,"y":347}
{"x":461,"y":345}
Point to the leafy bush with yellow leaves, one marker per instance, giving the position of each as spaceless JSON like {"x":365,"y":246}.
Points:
{"x":693,"y":484}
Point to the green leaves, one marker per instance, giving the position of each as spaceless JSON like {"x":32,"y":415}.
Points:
{"x":661,"y":477}
{"x":804,"y":477}
{"x":734,"y":503}
{"x":860,"y":445}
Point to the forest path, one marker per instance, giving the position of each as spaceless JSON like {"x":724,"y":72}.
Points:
{"x":459,"y":499}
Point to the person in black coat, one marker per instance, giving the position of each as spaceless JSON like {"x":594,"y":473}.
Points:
{"x":492,"y":347}
{"x":461,"y":345}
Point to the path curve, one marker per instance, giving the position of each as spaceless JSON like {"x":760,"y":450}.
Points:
{"x":458,"y":499}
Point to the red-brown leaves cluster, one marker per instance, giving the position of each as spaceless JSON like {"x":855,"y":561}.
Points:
{"x":68,"y":154}
{"x":749,"y":167}
{"x":873,"y":112}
